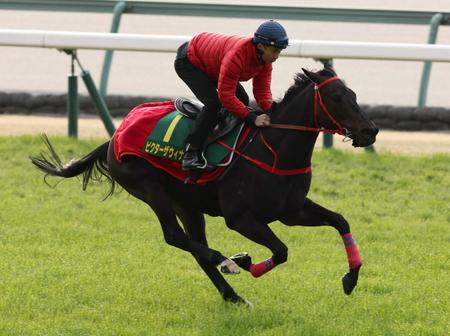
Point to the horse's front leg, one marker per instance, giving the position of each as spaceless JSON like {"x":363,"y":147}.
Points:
{"x":312,"y":214}
{"x":259,"y":232}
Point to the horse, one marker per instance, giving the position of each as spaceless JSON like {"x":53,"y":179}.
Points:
{"x":269,"y":180}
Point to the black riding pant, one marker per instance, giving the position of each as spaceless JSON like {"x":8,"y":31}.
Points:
{"x":205,"y":90}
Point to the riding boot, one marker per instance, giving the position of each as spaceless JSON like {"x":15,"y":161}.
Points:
{"x":192,"y":159}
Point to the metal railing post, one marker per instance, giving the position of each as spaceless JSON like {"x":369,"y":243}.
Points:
{"x":72,"y":99}
{"x":436,"y":20}
{"x":119,"y":8}
{"x":327,"y":140}
{"x":99,"y":102}
{"x":97,"y":99}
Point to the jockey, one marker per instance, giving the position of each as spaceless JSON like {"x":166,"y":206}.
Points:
{"x":212,"y":65}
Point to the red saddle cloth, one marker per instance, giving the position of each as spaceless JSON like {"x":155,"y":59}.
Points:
{"x":131,"y":136}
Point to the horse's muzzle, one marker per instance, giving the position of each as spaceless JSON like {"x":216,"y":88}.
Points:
{"x":365,"y":137}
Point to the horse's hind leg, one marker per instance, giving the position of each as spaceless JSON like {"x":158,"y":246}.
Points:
{"x":144,"y":182}
{"x":312,"y":214}
{"x":194,"y":225}
{"x":259,"y":232}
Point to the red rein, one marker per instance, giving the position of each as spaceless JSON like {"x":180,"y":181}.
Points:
{"x":317,"y":102}
{"x":304,"y":170}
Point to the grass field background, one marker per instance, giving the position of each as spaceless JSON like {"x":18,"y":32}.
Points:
{"x":72,"y":264}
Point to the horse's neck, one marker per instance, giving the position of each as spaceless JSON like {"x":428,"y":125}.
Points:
{"x":294,"y":148}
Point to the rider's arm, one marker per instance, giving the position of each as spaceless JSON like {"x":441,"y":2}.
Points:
{"x":261,"y":88}
{"x":230,"y":70}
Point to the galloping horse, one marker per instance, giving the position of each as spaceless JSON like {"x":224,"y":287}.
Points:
{"x":269,"y":180}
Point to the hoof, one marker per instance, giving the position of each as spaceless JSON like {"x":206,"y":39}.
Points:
{"x":243,"y":260}
{"x":350,"y":280}
{"x":247,"y":303}
{"x":240,"y":301}
{"x":228,"y":266}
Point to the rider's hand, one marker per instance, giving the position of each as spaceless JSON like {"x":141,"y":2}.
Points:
{"x":262,"y":120}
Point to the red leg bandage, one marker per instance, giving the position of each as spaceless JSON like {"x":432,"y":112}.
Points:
{"x":353,"y":256}
{"x":262,"y":268}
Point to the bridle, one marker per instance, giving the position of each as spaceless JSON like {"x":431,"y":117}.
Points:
{"x":318,"y":101}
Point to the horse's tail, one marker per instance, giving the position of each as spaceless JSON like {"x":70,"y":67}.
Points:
{"x":93,"y":166}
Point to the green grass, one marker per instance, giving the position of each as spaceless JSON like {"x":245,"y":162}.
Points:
{"x":71,"y":264}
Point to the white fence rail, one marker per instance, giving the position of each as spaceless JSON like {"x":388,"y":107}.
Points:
{"x":163,"y":43}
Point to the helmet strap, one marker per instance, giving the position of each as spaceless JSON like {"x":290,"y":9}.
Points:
{"x":259,"y":53}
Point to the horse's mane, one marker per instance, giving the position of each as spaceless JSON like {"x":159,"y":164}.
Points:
{"x":301,"y":81}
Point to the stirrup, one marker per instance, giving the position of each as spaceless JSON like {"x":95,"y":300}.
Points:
{"x":192,"y":161}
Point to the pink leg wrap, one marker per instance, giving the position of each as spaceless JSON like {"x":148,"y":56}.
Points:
{"x":262,"y":268}
{"x":354,"y":259}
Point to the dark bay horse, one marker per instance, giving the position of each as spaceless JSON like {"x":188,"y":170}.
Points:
{"x":269,"y":181}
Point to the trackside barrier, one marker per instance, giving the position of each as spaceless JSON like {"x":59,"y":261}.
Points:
{"x":119,"y":8}
{"x":72,"y":98}
{"x":240,"y":11}
{"x":317,"y":49}
{"x":278,"y":12}
{"x":98,"y":101}
{"x":436,"y":20}
{"x":157,"y":43}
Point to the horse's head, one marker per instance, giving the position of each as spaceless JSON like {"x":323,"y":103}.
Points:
{"x":335,"y":107}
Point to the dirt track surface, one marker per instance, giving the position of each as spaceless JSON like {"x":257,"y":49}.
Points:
{"x":409,"y":143}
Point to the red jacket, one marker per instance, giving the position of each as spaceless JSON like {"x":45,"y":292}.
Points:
{"x":228,"y":60}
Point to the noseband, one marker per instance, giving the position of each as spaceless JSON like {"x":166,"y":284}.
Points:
{"x":318,"y":101}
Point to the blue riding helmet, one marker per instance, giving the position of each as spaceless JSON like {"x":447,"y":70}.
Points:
{"x":271,"y":33}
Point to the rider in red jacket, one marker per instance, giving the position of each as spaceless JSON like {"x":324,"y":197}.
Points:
{"x":212,"y":65}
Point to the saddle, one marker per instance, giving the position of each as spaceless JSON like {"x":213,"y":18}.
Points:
{"x":226,"y":121}
{"x":188,"y":107}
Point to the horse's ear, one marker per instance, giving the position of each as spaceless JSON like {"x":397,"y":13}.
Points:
{"x":328,"y":67}
{"x":311,"y":75}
